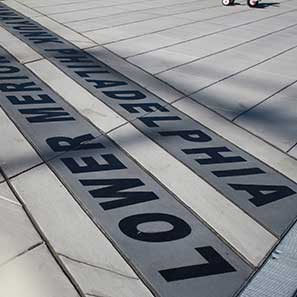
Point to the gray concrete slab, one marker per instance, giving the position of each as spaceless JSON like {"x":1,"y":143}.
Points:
{"x":278,"y":277}
{"x":197,"y":75}
{"x":19,"y":50}
{"x":275,"y":120}
{"x":235,"y":95}
{"x":37,"y":274}
{"x":7,"y":194}
{"x":293,"y":151}
{"x":17,"y":233}
{"x":16,"y":155}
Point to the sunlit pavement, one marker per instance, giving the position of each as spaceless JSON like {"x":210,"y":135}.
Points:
{"x":148,"y":148}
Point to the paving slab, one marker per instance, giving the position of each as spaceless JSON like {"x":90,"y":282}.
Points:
{"x":69,"y":17}
{"x":19,"y":50}
{"x":50,"y":8}
{"x":235,"y":95}
{"x":191,"y":31}
{"x":282,"y":64}
{"x":16,"y":155}
{"x":261,"y":50}
{"x":129,"y":17}
{"x":89,"y":106}
{"x":1,"y":178}
{"x":45,"y":3}
{"x":245,"y":17}
{"x":211,"y":13}
{"x":132,"y":30}
{"x":75,"y":38}
{"x":21,"y":7}
{"x":293,"y":151}
{"x":105,"y":22}
{"x":17,"y":233}
{"x":163,"y":59}
{"x":278,"y":276}
{"x":286,"y":17}
{"x":7,"y":194}
{"x":166,"y":38}
{"x":197,"y":75}
{"x":132,"y":47}
{"x":37,"y":274}
{"x":110,"y":284}
{"x":182,"y":7}
{"x":275,"y":119}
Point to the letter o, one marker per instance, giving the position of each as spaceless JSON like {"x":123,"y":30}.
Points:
{"x":129,"y":227}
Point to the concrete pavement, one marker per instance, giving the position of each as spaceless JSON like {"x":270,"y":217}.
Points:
{"x":181,"y":177}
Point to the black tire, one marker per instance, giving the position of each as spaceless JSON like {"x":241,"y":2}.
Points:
{"x":226,"y":2}
{"x":252,"y":3}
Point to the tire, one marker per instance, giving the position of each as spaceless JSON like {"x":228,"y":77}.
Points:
{"x":226,"y":2}
{"x":252,"y":3}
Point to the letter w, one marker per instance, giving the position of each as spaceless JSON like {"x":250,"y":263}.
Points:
{"x":113,"y":189}
{"x":44,"y":115}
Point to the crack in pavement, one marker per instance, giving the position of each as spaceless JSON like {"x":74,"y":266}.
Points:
{"x":22,"y":253}
{"x":95,"y":295}
{"x":10,"y":201}
{"x":98,"y":267}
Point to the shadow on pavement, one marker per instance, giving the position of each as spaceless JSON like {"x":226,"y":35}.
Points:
{"x":262,"y":5}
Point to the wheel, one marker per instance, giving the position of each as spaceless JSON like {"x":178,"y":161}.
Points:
{"x":252,"y":3}
{"x":226,"y":2}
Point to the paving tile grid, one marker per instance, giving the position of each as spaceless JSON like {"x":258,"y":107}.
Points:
{"x":26,"y":254}
{"x":33,"y":138}
{"x":287,"y":139}
{"x":45,"y":78}
{"x":178,"y":48}
{"x":231,"y":65}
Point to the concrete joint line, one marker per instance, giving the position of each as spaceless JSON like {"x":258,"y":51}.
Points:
{"x":43,"y":237}
{"x":132,"y":11}
{"x":265,"y":99}
{"x":9,"y":201}
{"x":22,"y":253}
{"x":227,"y":49}
{"x":293,"y":146}
{"x":93,"y":295}
{"x":98,"y":267}
{"x":206,"y":35}
{"x":149,"y":19}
